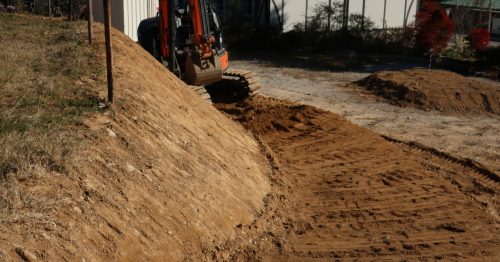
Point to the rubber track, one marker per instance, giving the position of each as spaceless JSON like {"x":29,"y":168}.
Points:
{"x":201,"y":91}
{"x":480,"y":173}
{"x":252,"y":82}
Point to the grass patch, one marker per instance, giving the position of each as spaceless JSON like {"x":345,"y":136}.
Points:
{"x":41,"y":98}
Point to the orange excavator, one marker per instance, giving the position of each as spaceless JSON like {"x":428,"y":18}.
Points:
{"x":189,"y":41}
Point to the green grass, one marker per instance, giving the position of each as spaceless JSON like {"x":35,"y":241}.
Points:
{"x":40,"y":102}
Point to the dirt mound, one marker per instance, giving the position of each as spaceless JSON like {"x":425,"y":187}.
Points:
{"x":166,"y":177}
{"x":440,"y":90}
{"x":365,"y":199}
{"x":264,"y":115}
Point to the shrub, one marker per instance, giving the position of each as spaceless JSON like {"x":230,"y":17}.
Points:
{"x":479,"y":39}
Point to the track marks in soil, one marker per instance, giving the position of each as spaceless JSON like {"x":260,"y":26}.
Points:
{"x":470,"y":177}
{"x":366,"y":199}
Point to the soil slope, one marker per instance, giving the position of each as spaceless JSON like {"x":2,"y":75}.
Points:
{"x":439,"y":90}
{"x":365,"y":199}
{"x":166,"y":177}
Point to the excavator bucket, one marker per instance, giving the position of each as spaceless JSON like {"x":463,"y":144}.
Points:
{"x":202,"y":71}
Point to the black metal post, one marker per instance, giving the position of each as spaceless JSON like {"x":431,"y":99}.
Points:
{"x":171,"y":35}
{"x":345,"y":18}
{"x":109,"y":51}
{"x":329,"y":13}
{"x":363,"y":16}
{"x":91,"y":21}
{"x":282,"y":15}
{"x":305,"y":25}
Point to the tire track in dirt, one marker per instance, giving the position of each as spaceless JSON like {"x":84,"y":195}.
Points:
{"x":365,"y":198}
{"x":471,"y":178}
{"x":467,"y":166}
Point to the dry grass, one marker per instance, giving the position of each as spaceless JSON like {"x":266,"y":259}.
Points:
{"x":41,"y":97}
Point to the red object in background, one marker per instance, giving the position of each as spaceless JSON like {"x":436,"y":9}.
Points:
{"x":479,"y":39}
{"x":433,"y":28}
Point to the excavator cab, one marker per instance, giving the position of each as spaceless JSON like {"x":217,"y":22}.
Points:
{"x":187,"y":40}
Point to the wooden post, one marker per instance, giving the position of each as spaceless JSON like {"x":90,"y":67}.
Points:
{"x":109,"y":50}
{"x":70,"y":10}
{"x":91,"y":22}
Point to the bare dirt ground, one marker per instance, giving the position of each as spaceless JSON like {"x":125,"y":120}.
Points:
{"x":365,"y":198}
{"x":167,"y":177}
{"x":437,"y":90}
{"x":469,"y":135}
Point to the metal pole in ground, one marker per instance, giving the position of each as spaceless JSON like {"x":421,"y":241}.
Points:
{"x":282,"y":15}
{"x":385,"y":9}
{"x":91,"y":21}
{"x":70,"y":9}
{"x":404,"y":14}
{"x":363,"y":15}
{"x":305,"y":25}
{"x":171,"y":35}
{"x":50,"y":10}
{"x":345,"y":20}
{"x":489,"y":20}
{"x":329,"y":14}
{"x":109,"y":50}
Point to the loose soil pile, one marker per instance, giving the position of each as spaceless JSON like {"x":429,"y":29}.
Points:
{"x":166,"y":177}
{"x":439,"y":90}
{"x":365,"y":199}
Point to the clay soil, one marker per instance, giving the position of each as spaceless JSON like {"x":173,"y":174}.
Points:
{"x":167,"y":177}
{"x":366,"y":198}
{"x":439,"y":90}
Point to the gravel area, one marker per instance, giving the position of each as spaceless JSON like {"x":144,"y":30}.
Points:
{"x":467,"y":135}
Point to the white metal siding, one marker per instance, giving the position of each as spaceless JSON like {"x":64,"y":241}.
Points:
{"x":295,"y":11}
{"x":127,"y":14}
{"x":495,"y":28}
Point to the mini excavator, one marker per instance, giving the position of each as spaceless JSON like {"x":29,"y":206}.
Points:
{"x":189,"y":42}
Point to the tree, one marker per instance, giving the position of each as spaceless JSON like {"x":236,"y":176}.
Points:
{"x":433,"y":28}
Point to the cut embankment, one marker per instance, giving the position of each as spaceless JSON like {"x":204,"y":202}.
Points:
{"x":438,"y":90}
{"x":165,"y":176}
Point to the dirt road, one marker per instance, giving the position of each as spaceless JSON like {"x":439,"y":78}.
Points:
{"x":474,"y":136}
{"x":364,"y":197}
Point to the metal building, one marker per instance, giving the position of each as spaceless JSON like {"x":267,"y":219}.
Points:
{"x":126,"y":14}
{"x":385,"y":13}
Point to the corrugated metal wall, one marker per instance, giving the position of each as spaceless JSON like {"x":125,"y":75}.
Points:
{"x":126,"y":14}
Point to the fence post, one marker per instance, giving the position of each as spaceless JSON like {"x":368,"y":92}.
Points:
{"x":329,"y":14}
{"x":305,"y":25}
{"x":385,"y":8}
{"x":363,"y":16}
{"x":404,"y":14}
{"x":70,"y":10}
{"x":91,"y":21}
{"x":283,"y":15}
{"x":109,"y":50}
{"x":345,"y":18}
